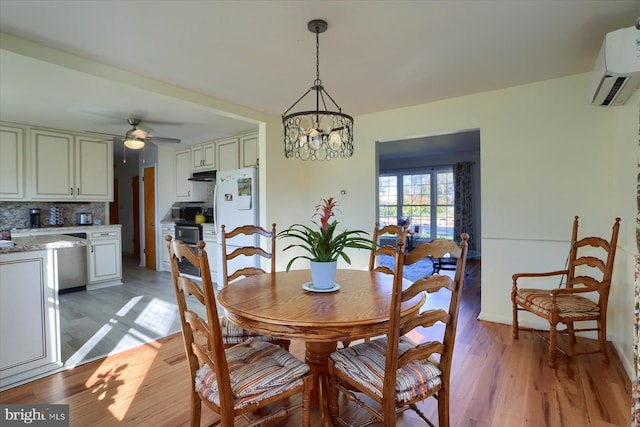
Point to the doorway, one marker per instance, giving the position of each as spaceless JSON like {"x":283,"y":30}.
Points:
{"x":427,"y":155}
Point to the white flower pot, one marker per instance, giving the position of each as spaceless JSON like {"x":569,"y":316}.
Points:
{"x":323,"y":274}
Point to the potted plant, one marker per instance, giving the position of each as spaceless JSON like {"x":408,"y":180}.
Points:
{"x":324,"y":244}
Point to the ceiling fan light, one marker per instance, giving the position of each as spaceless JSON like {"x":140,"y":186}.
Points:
{"x":134,"y":144}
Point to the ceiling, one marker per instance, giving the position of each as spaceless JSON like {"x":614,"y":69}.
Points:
{"x":375,"y":55}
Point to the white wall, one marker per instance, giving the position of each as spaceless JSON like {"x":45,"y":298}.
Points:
{"x":547,"y":155}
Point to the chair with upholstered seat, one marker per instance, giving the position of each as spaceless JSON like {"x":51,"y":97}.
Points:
{"x":584,"y":296}
{"x":249,"y":253}
{"x":393,"y":373}
{"x":236,"y":381}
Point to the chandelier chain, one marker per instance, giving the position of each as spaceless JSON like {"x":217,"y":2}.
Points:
{"x":318,"y":81}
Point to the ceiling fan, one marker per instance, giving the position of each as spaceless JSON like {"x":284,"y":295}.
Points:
{"x":136,"y":137}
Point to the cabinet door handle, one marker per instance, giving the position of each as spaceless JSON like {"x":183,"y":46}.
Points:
{"x":71,"y":191}
{"x":91,"y":248}
{"x":78,"y":191}
{"x":189,"y":193}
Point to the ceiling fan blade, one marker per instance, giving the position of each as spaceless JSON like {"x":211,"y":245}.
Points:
{"x":161,"y":122}
{"x":103,"y":133}
{"x":160,"y":139}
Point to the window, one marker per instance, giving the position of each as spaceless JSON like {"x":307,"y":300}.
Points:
{"x":426,"y":201}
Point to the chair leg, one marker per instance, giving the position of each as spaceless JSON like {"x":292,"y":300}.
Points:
{"x":552,"y":344}
{"x":602,"y":338}
{"x":196,"y":409}
{"x":306,"y":401}
{"x":571,"y":331}
{"x":333,"y":395}
{"x":515,"y":317}
{"x":443,"y":407}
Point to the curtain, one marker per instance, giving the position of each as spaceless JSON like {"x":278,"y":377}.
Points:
{"x":463,"y":204}
{"x":635,"y":404}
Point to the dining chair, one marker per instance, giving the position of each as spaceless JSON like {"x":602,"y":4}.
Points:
{"x":236,"y":381}
{"x":233,"y":333}
{"x":583,"y":297}
{"x":377,"y":250}
{"x":393,"y":373}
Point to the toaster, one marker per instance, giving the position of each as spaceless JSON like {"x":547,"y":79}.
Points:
{"x":84,"y":219}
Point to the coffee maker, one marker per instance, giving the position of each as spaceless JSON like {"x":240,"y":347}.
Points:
{"x":35,"y":218}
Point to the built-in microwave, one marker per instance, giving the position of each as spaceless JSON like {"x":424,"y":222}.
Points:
{"x":185,"y":213}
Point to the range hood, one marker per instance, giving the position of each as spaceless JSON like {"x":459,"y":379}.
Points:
{"x":206,"y":176}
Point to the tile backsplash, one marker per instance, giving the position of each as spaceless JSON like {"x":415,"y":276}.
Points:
{"x":16,"y":214}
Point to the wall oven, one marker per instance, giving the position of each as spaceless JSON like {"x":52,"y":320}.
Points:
{"x":189,"y":234}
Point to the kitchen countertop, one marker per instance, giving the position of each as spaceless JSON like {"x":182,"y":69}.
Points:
{"x":43,"y":242}
{"x":63,"y":229}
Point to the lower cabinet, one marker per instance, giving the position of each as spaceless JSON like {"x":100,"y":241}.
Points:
{"x":29,"y":325}
{"x":104,"y":258}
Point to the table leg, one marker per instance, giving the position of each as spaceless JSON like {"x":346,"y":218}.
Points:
{"x":317,"y":356}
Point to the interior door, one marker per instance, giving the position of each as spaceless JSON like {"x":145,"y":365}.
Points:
{"x":135,"y":185}
{"x":149,"y":185}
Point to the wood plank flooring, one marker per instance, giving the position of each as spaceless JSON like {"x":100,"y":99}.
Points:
{"x":496,"y":381}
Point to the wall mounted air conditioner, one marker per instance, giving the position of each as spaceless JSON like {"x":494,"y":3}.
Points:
{"x":616,"y":74}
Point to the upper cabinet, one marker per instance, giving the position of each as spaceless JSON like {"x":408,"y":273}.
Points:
{"x":11,"y":163}
{"x":94,"y":169}
{"x":187,"y":191}
{"x":70,"y":167}
{"x":227,"y":154}
{"x":203,"y":157}
{"x":249,"y":150}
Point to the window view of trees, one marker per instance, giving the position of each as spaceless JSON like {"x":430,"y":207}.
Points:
{"x":426,"y":203}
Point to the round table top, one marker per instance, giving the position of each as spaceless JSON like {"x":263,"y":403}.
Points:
{"x":275,"y":304}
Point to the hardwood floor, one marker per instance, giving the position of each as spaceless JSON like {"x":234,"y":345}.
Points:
{"x":496,"y":381}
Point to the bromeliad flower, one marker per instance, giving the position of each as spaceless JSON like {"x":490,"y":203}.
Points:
{"x":325,"y":211}
{"x":322,"y":245}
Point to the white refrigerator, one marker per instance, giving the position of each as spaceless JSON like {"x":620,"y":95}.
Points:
{"x":236,"y":204}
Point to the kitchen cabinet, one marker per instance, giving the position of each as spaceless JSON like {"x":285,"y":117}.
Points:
{"x":227,"y":153}
{"x":11,"y":163}
{"x":249,"y":155}
{"x":29,"y":325}
{"x":104,"y":256}
{"x":211,"y":239}
{"x":68,"y":167}
{"x":203,"y":157}
{"x":166,"y":229}
{"x":187,"y":191}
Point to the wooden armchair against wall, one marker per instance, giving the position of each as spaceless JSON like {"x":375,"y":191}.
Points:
{"x":589,"y":270}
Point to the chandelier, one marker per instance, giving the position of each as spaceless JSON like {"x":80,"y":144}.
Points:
{"x":319,"y":134}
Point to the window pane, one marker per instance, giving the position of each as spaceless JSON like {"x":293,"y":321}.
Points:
{"x":444,"y":210}
{"x":388,"y":199}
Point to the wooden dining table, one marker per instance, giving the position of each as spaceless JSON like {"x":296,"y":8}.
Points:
{"x":275,"y":304}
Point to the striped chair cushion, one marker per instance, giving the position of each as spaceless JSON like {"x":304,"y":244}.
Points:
{"x":234,"y":334}
{"x":364,"y":363}
{"x":258,"y":370}
{"x":569,"y":306}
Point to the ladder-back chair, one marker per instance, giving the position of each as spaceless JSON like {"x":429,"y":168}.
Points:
{"x":393,"y":371}
{"x":588,"y":272}
{"x":236,"y":381}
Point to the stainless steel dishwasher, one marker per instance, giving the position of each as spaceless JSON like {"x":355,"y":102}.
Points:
{"x":72,"y":267}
